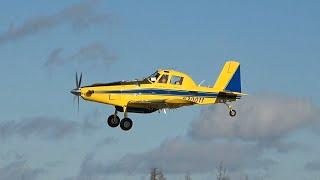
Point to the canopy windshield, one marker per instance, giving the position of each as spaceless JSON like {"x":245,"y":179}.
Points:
{"x":153,"y":76}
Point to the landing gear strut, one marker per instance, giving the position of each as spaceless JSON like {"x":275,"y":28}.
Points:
{"x":232,"y":112}
{"x":125,"y":124}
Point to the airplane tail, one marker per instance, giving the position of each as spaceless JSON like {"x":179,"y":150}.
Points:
{"x":229,"y":79}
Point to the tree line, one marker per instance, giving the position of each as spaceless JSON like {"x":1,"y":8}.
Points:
{"x":221,"y":174}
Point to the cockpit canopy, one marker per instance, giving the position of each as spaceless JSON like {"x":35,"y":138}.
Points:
{"x":170,"y":77}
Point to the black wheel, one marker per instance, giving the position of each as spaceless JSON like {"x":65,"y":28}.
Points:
{"x":126,"y":124}
{"x":232,"y":112}
{"x":113,"y":121}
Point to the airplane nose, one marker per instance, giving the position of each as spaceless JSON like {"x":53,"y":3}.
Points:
{"x":76,"y":92}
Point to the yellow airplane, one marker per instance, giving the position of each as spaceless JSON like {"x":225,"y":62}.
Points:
{"x":164,"y":89}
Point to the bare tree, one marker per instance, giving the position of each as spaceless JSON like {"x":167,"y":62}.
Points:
{"x":222,"y":172}
{"x":156,"y":174}
{"x":246,"y":177}
{"x":153,"y":174}
{"x":160,"y":175}
{"x":187,"y":177}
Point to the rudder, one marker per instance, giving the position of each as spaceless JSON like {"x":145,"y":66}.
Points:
{"x":229,"y":78}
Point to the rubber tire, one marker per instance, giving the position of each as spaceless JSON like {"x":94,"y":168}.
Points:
{"x":232,"y":112}
{"x":126,"y":124}
{"x":113,"y":122}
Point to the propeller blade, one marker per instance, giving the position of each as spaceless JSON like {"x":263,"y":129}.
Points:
{"x":74,"y":99}
{"x":78,"y":104}
{"x":77,"y":82}
{"x":80,"y":80}
{"x":76,"y":91}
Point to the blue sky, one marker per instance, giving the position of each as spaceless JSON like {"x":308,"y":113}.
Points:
{"x":277,"y":43}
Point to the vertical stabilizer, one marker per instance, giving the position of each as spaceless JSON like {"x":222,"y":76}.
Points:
{"x":229,"y":78}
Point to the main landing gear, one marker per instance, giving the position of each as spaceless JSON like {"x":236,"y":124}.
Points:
{"x":232,"y":112}
{"x":125,"y":124}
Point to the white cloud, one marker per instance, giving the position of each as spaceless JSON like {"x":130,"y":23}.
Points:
{"x":182,"y":155}
{"x":263,"y":122}
{"x":51,"y":128}
{"x":79,"y":16}
{"x":18,"y":170}
{"x":259,"y":118}
{"x":92,"y":53}
{"x":179,"y":155}
{"x":313,"y":165}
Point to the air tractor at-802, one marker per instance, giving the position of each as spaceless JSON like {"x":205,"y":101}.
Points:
{"x":164,"y":89}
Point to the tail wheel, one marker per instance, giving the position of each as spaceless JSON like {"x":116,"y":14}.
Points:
{"x":113,"y":121}
{"x":232,"y":112}
{"x":126,"y":124}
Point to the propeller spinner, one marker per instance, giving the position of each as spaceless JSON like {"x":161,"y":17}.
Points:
{"x":77,"y":91}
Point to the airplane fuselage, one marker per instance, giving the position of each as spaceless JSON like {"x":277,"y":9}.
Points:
{"x":121,"y":95}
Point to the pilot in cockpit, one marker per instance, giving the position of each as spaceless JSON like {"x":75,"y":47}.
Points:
{"x":163,"y":79}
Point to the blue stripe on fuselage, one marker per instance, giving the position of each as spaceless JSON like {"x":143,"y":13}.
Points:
{"x":162,"y":92}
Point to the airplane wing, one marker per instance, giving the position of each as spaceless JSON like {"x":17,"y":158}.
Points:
{"x":161,"y":103}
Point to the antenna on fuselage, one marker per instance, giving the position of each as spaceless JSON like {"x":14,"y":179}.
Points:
{"x":201,"y":82}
